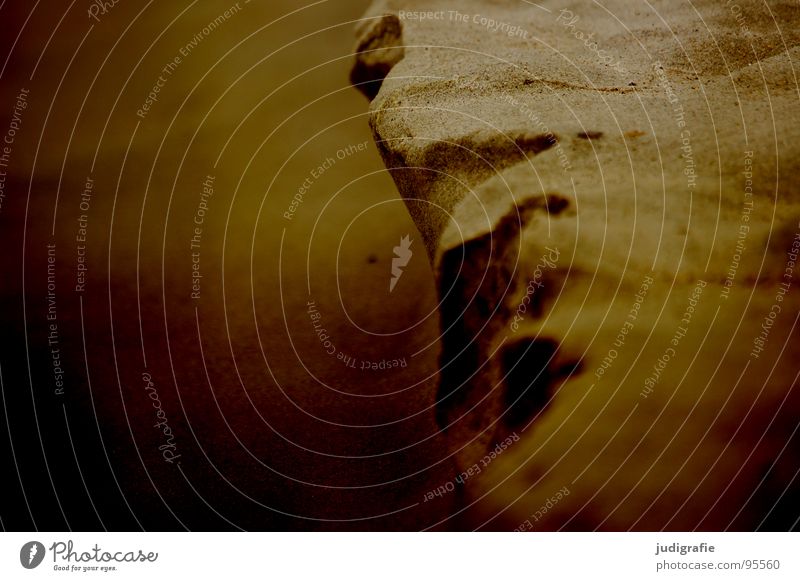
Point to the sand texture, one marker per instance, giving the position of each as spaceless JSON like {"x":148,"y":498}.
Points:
{"x":609,"y":198}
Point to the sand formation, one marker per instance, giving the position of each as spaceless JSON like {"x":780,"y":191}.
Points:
{"x":608,"y":195}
